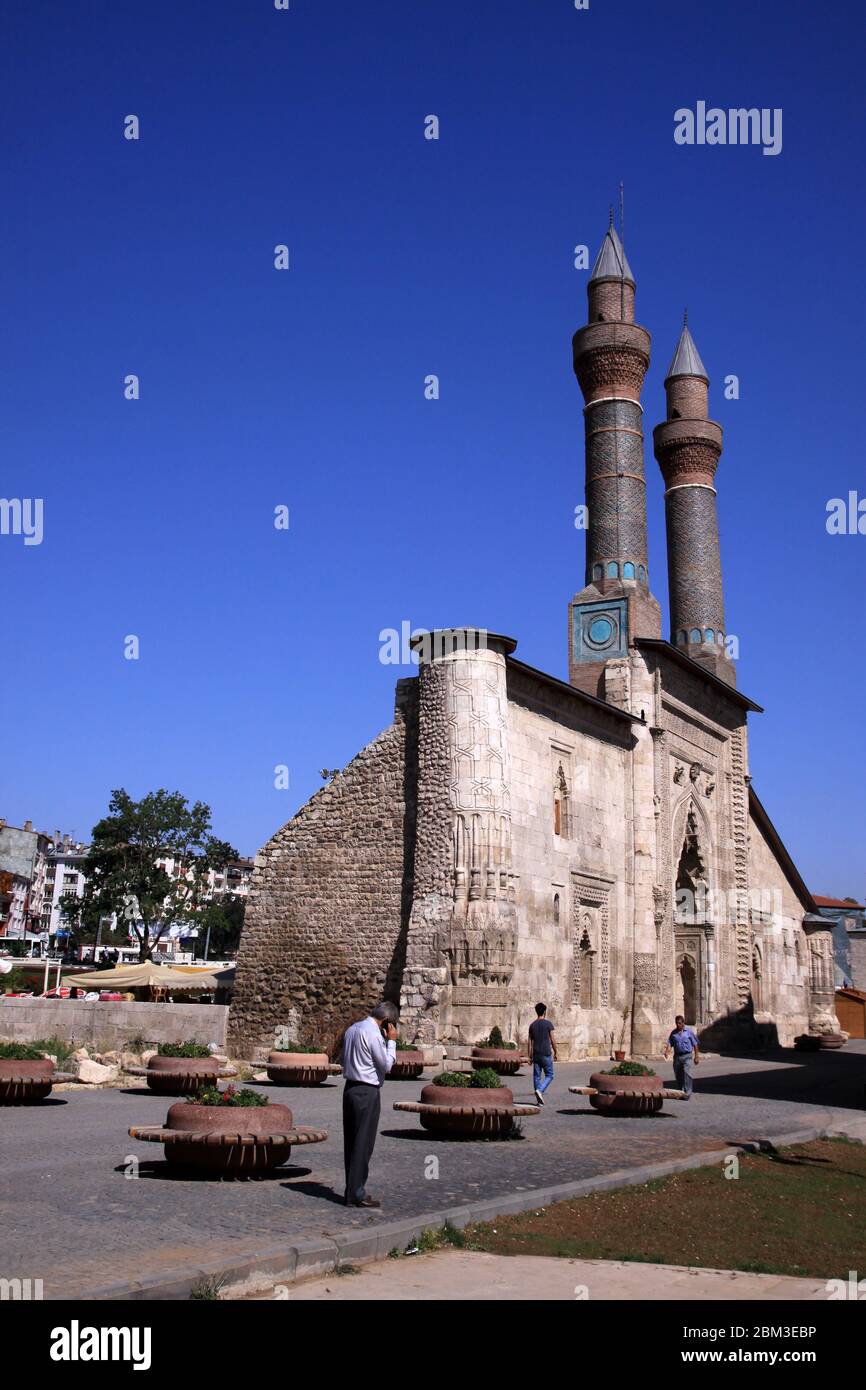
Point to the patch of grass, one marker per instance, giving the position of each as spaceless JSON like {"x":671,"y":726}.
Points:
{"x":798,"y":1211}
{"x":342,"y":1271}
{"x":432,"y":1238}
{"x":207,"y":1290}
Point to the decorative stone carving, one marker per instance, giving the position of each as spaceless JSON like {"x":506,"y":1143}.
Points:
{"x":645,"y":972}
{"x":591,"y":920}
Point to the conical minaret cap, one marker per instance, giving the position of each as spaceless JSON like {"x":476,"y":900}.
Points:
{"x":687,"y":359}
{"x":610,"y":263}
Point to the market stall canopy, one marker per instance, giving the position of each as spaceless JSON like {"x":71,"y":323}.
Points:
{"x":145,"y":976}
{"x":224,"y":976}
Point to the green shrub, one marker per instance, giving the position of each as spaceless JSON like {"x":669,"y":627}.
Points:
{"x":184,"y":1049}
{"x":403,"y":1046}
{"x":60,"y":1048}
{"x":629,"y":1069}
{"x":485,"y":1079}
{"x":452,"y":1078}
{"x":297,"y":1047}
{"x":20,"y":1052}
{"x":17,"y":981}
{"x":212,"y":1095}
{"x":494,"y":1039}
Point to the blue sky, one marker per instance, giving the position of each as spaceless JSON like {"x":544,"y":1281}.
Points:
{"x":306,"y":387}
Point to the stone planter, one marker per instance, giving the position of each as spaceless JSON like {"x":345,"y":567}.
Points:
{"x":408,"y":1066}
{"x":24,"y":1082}
{"x":626,"y":1095}
{"x":503,"y":1060}
{"x":459,"y":1111}
{"x":831,"y":1041}
{"x":180,"y":1076}
{"x":228,"y":1138}
{"x":300,"y":1068}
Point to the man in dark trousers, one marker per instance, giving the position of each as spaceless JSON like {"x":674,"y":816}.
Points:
{"x":542,"y":1051}
{"x":369,"y":1049}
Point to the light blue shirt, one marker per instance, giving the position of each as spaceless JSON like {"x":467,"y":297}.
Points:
{"x":683,"y":1043}
{"x":366,"y":1055}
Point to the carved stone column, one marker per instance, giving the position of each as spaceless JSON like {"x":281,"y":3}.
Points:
{"x":463,"y":927}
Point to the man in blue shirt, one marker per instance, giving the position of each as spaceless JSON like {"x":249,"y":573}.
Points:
{"x":686,"y":1054}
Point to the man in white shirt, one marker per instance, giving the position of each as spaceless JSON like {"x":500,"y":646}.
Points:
{"x":369,"y":1049}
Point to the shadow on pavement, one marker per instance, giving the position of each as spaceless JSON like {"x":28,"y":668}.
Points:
{"x":165,"y":1172}
{"x":836,"y":1078}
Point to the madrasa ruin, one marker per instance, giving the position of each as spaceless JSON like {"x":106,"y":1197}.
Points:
{"x":595,"y":843}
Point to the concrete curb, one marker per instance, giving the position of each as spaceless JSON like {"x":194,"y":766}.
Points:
{"x":290,"y":1261}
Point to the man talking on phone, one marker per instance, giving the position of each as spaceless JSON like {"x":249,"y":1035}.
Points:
{"x":369,"y":1049}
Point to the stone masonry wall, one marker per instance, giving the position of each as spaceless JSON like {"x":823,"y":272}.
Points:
{"x":781,"y":946}
{"x":324,"y":934}
{"x":574,"y":886}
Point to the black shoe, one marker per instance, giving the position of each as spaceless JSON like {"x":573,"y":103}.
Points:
{"x":366,"y":1202}
{"x":539,"y":1097}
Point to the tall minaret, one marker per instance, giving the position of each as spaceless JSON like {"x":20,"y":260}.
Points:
{"x":688,"y":447}
{"x":611,"y":356}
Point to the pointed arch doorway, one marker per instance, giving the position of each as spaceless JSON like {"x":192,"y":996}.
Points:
{"x":693,"y":932}
{"x":686,"y":989}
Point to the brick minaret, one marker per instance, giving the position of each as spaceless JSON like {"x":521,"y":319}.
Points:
{"x":688,"y":447}
{"x":611,"y":356}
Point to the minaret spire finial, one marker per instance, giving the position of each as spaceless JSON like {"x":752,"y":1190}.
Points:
{"x":685,"y":317}
{"x":610,"y":224}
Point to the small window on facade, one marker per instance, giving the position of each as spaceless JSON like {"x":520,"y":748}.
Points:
{"x":560,"y":804}
{"x":709,"y":635}
{"x":695,"y":635}
{"x":641,"y":574}
{"x":628,"y":570}
{"x":556,"y":909}
{"x":682,"y":636}
{"x":613,"y":570}
{"x":597,"y":572}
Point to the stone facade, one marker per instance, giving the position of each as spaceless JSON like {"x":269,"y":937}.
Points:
{"x":512,"y":838}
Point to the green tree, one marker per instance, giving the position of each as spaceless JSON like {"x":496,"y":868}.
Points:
{"x":122,"y":873}
{"x":224,"y":918}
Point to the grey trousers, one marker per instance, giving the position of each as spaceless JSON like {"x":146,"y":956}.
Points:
{"x":361,"y":1106}
{"x":683,"y":1069}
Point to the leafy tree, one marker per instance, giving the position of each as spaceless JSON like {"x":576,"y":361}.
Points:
{"x":224,"y":916}
{"x":122,"y":874}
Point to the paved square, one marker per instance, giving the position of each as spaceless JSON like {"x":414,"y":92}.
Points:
{"x":71,"y":1217}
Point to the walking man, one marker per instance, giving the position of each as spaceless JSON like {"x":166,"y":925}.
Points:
{"x":542,"y":1050}
{"x":686,"y":1054}
{"x":369,"y":1049}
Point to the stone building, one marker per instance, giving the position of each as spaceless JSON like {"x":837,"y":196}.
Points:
{"x":594,"y":843}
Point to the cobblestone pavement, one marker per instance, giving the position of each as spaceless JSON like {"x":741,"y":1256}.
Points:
{"x":69,"y":1215}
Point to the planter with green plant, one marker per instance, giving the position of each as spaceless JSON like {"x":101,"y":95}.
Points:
{"x":231,"y":1131}
{"x":299,"y":1064}
{"x":408,"y":1064}
{"x":179,"y":1069}
{"x":465,"y":1104}
{"x":503,"y":1057}
{"x":627,"y":1089}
